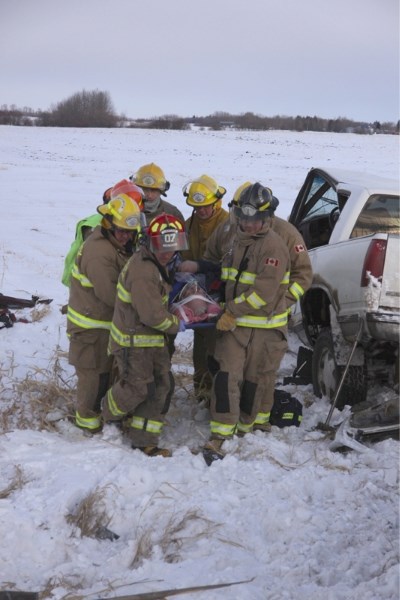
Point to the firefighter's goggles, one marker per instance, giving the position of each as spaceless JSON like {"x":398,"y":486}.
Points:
{"x":247,"y":211}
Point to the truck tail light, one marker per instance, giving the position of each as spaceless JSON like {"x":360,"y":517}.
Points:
{"x":374,"y":262}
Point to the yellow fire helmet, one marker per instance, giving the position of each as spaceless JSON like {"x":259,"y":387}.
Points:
{"x":151,"y":176}
{"x":121,"y":212}
{"x":166,"y":233}
{"x":240,"y":189}
{"x":203,"y":191}
{"x":130,"y":189}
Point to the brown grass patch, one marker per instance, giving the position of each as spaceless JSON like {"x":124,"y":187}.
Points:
{"x":176,"y":534}
{"x":90,"y":515}
{"x":40,"y":400}
{"x":38,"y":312}
{"x":17,"y":482}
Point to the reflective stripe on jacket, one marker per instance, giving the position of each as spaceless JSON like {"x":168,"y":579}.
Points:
{"x":94,"y":282}
{"x":88,"y":223}
{"x":229,"y":274}
{"x":86,"y":322}
{"x":300,"y":264}
{"x":141,"y":316}
{"x":299,"y":279}
{"x":256,"y":274}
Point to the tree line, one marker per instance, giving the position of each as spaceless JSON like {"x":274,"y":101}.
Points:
{"x":95,"y":109}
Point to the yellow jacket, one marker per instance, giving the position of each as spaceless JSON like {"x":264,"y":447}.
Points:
{"x":199,"y":231}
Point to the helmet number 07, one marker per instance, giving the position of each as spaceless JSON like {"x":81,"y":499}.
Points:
{"x":170,"y":237}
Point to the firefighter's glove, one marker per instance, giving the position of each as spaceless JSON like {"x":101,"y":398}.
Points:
{"x":188,"y":266}
{"x":226,"y":322}
{"x":182,"y":326}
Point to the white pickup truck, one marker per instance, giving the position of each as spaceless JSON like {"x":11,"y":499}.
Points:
{"x":350,"y":224}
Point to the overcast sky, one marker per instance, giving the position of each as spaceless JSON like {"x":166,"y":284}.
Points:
{"x":328,"y":58}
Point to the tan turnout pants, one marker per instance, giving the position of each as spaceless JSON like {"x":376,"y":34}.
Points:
{"x":143,"y":390}
{"x":247,"y":359}
{"x":88,"y":354}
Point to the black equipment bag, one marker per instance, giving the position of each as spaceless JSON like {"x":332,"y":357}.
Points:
{"x":286,"y":410}
{"x":302,"y":375}
{"x":7,"y":318}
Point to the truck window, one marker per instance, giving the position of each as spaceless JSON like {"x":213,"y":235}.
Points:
{"x":379,"y":215}
{"x":315,"y":222}
{"x":321,"y":199}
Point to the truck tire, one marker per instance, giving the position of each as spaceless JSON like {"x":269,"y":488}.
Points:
{"x":326,"y":374}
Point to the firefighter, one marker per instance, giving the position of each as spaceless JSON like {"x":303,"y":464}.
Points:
{"x":300,"y":278}
{"x":204,"y":195}
{"x":253,"y":327}
{"x":154,"y":184}
{"x":82,"y":229}
{"x":87,"y":225}
{"x":140,"y":324}
{"x":91,"y":302}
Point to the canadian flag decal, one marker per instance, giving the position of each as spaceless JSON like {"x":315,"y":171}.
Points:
{"x":272,"y":261}
{"x":299,"y":248}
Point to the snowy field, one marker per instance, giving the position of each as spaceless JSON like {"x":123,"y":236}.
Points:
{"x":281,"y":513}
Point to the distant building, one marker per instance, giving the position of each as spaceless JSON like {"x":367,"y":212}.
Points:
{"x":227,"y":124}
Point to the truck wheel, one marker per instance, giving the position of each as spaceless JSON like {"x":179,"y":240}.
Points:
{"x":326,"y":374}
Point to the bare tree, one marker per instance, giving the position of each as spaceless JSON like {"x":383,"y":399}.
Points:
{"x":168,"y":122}
{"x":83,"y":109}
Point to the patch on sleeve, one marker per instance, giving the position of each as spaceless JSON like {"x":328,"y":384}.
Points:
{"x":274,"y":262}
{"x":299,"y":248}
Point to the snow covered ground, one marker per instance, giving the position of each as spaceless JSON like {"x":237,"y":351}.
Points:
{"x":281,"y":512}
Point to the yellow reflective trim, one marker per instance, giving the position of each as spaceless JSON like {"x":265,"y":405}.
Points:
{"x":138,"y":341}
{"x":112,"y":405}
{"x":290,"y":416}
{"x":86,"y":322}
{"x":148,"y":341}
{"x":296,"y":290}
{"x":222,"y":428}
{"x":147,"y":425}
{"x":263,"y":322}
{"x":240,"y":299}
{"x":114,"y":212}
{"x":225,"y":273}
{"x":84,"y":281}
{"x":262,"y":418}
{"x":247,"y":277}
{"x":166,"y":324}
{"x":245,"y":427}
{"x":87,"y":423}
{"x":230,"y":274}
{"x":122,"y":339}
{"x":123,"y":294}
{"x":255,"y":300}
